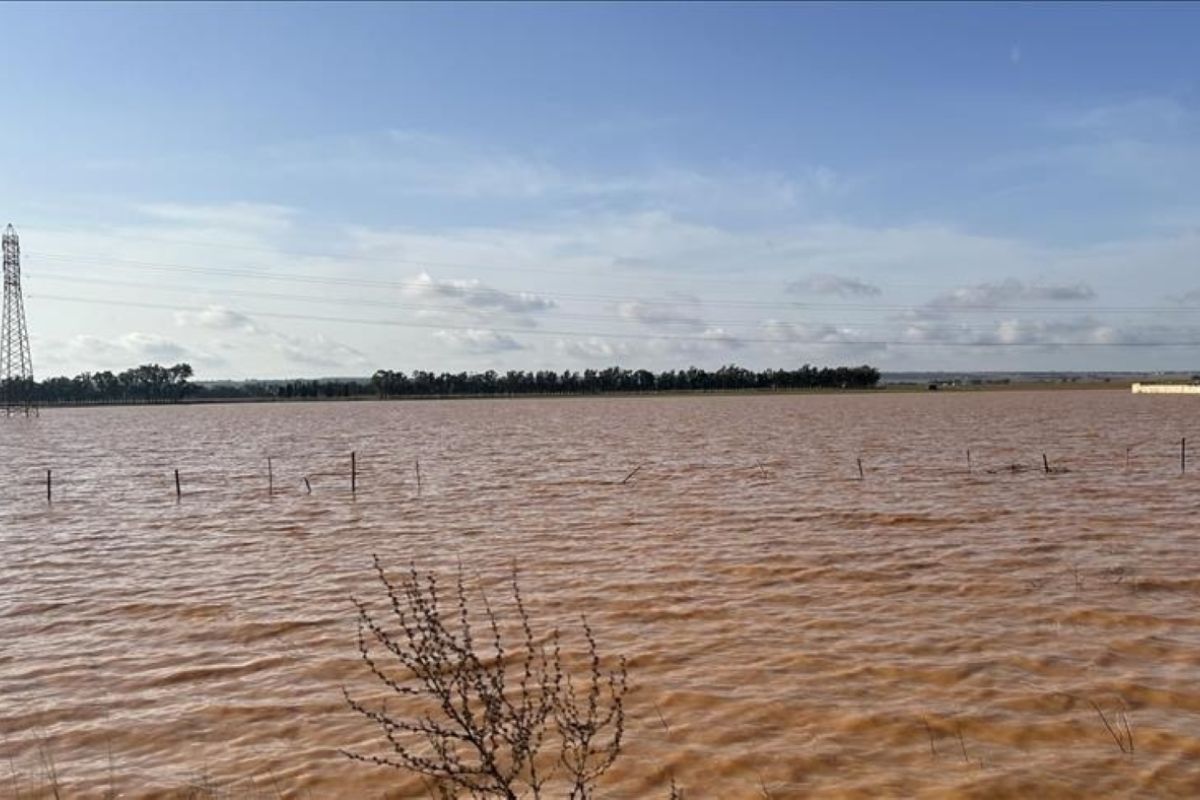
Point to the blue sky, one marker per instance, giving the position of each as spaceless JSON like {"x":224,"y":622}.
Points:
{"x":271,"y":190}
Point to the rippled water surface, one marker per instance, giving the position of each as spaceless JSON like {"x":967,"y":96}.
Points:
{"x":791,"y":630}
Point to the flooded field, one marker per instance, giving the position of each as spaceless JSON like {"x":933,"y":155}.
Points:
{"x":791,"y":630}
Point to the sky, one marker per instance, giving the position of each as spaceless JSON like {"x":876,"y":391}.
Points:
{"x":287,"y":190}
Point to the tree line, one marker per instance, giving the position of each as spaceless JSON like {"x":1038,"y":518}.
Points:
{"x":387,"y":383}
{"x":150,"y":383}
{"x":158,"y":384}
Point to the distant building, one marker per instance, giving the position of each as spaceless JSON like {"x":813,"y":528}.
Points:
{"x":1166,"y":388}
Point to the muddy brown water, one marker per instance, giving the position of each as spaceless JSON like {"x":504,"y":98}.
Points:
{"x":791,"y":630}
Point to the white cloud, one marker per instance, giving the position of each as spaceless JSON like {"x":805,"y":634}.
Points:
{"x":1141,"y":117}
{"x":152,"y":345}
{"x":124,"y":351}
{"x":594,"y":350}
{"x":808,"y":333}
{"x":663,"y":315}
{"x":1190,"y":298}
{"x":254,"y":217}
{"x":825,"y":284}
{"x":1011,"y":292}
{"x":474,"y":294}
{"x":722,"y":338}
{"x":97,"y":349}
{"x":1050,"y":334}
{"x":1144,"y":146}
{"x":315,"y":349}
{"x":477,"y":341}
{"x":218,"y":318}
{"x":820,"y":342}
{"x":422,"y":164}
{"x":651,"y":353}
{"x":318,"y":350}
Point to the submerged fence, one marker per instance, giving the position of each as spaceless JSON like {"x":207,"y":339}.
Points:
{"x":344,"y":474}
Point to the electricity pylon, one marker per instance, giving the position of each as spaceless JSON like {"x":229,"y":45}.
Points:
{"x":16,"y":364}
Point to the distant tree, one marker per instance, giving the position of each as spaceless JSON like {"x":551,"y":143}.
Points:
{"x":149,"y":382}
{"x":179,"y":375}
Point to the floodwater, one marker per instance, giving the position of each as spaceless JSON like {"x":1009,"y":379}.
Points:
{"x":790,"y":629}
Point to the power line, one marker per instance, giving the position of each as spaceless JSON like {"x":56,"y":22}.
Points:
{"x":636,"y":336}
{"x":391,"y":260}
{"x":355,"y":257}
{"x":396,"y":305}
{"x":418,"y":284}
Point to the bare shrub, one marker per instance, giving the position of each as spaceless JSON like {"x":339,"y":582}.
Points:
{"x":480,"y":717}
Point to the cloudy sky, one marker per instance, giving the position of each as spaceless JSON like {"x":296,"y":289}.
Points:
{"x":306,"y":190}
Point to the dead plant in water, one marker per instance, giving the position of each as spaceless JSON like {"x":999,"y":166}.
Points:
{"x":481,"y":717}
{"x":1121,"y":733}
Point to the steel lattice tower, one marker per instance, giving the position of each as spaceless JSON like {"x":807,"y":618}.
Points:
{"x":16,"y":363}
